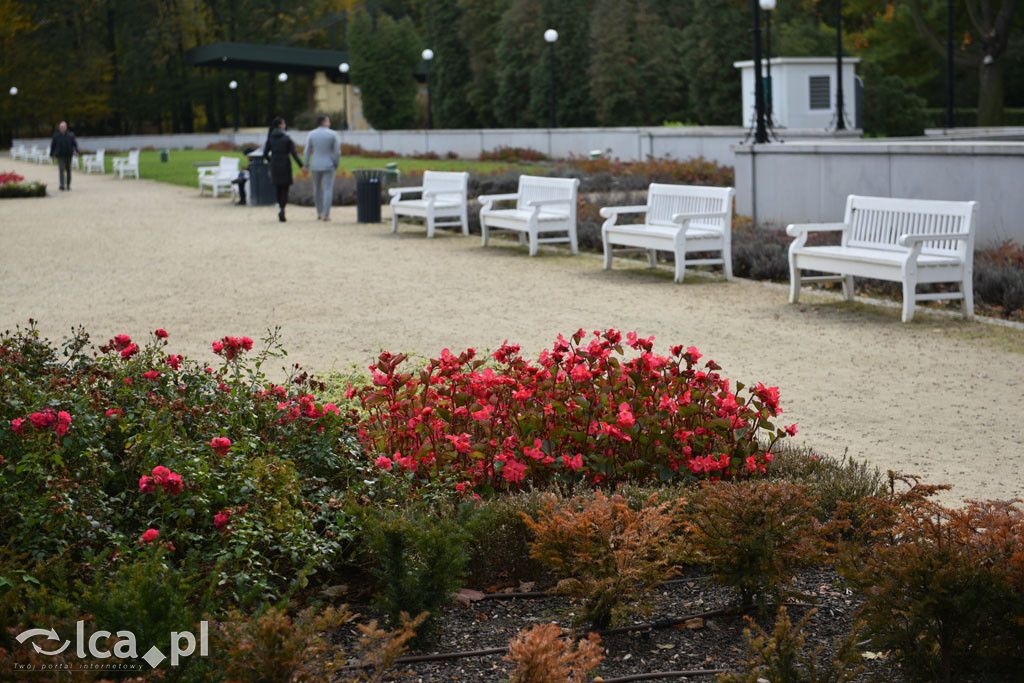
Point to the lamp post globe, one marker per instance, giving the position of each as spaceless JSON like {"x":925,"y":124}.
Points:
{"x":551,"y":35}
{"x":768,"y":6}
{"x":343,"y":67}
{"x":233,"y":85}
{"x":282,"y":77}
{"x":14,"y":131}
{"x":427,"y":54}
{"x":13,"y":91}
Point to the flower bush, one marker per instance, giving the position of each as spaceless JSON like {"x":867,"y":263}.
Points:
{"x":582,"y":412}
{"x":107,"y":454}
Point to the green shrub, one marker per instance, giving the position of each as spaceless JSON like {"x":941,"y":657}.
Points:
{"x":754,"y":535}
{"x":419,"y":560}
{"x":22,"y":189}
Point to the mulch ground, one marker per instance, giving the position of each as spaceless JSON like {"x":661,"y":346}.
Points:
{"x":709,"y":644}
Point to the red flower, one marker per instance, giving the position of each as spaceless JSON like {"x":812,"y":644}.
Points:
{"x":220,"y":444}
{"x":161,"y":334}
{"x":174,"y":361}
{"x":160,"y":473}
{"x":149,"y":536}
{"x":218,"y":347}
{"x":44,"y":419}
{"x":146,"y":484}
{"x":221,"y":519}
{"x":63,"y":423}
{"x":791,"y":430}
{"x":127,"y":380}
{"x":121,"y":342}
{"x":172,"y":483}
{"x":129,"y":351}
{"x":115,"y":412}
{"x":384,"y":462}
{"x":18,"y":425}
{"x":152,"y":374}
{"x":625,"y":418}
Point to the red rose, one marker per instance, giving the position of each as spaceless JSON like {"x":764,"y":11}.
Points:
{"x":17,"y":424}
{"x":152,"y":374}
{"x":129,"y":351}
{"x":63,"y":423}
{"x":149,"y":536}
{"x":42,"y":420}
{"x":146,"y":484}
{"x":220,"y":444}
{"x":115,"y":412}
{"x":161,"y":334}
{"x":220,"y":520}
{"x":172,"y":483}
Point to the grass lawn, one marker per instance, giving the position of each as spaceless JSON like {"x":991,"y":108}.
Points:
{"x":180,"y":168}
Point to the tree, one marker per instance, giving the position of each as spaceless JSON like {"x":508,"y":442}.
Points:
{"x":383,"y":63}
{"x":614,"y":86}
{"x":450,"y":75}
{"x":987,"y":53}
{"x":478,"y":29}
{"x":718,"y":35}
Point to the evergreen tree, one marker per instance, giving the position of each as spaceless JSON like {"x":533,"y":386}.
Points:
{"x":614,"y":85}
{"x":518,"y":52}
{"x":450,"y":74}
{"x":479,"y":29}
{"x":383,"y":63}
{"x":718,"y":35}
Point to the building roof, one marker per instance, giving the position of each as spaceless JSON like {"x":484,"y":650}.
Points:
{"x":267,"y":58}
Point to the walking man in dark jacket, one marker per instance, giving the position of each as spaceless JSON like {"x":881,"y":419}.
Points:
{"x":63,"y":147}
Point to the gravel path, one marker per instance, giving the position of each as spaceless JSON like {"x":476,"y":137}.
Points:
{"x":938,"y":397}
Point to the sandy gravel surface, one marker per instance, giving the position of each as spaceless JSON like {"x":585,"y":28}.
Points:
{"x":939,"y":398}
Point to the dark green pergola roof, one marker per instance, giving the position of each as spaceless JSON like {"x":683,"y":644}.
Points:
{"x":267,"y":58}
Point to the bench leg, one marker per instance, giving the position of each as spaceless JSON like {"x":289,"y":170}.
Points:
{"x":909,"y":294}
{"x":794,"y":282}
{"x":607,"y":254}
{"x":967,"y":287}
{"x":430,"y":223}
{"x":727,"y":258}
{"x":848,"y":287}
{"x":465,"y":221}
{"x":534,"y":244}
{"x":483,"y":232}
{"x":574,"y":245}
{"x":652,"y":258}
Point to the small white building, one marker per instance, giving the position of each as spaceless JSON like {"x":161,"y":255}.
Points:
{"x":803,"y":95}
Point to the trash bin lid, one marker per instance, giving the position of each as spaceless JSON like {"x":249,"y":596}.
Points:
{"x":370,"y":174}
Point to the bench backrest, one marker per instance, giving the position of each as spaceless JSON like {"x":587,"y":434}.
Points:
{"x":133,"y":157}
{"x":229,"y":165}
{"x":878,"y":222}
{"x":447,"y":184}
{"x":99,"y":155}
{"x":665,"y":201}
{"x":533,"y":187}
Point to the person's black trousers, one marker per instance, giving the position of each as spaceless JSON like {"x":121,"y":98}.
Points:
{"x":64,"y":171}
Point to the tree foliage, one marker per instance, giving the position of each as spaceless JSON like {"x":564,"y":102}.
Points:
{"x":383,"y":62}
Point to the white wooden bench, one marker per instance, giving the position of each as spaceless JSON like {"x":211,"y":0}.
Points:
{"x":543,"y":206}
{"x":219,"y":177}
{"x":128,"y":165}
{"x":40,"y":155}
{"x":443,"y":197}
{"x":913,"y":241}
{"x":679,"y":219}
{"x":19,"y":152}
{"x":94,"y":162}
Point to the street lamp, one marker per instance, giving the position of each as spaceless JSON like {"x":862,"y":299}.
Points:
{"x":343,"y":68}
{"x":760,"y":131}
{"x":840,"y":119}
{"x":234,"y":92}
{"x":428,"y":55}
{"x":551,"y":35}
{"x":14,"y":94}
{"x":949,"y":64}
{"x":283,"y":78}
{"x":768,"y":6}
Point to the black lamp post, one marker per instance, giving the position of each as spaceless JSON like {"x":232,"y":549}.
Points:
{"x":428,"y":55}
{"x":14,"y":94}
{"x":840,"y":119}
{"x":283,"y":79}
{"x":343,"y":68}
{"x":768,"y":6}
{"x":760,"y":131}
{"x":551,"y":35}
{"x":949,"y":64}
{"x":234,"y":93}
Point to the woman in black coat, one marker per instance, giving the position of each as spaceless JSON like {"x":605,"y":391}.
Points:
{"x":280,"y":147}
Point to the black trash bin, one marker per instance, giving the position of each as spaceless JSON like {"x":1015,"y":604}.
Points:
{"x":261,"y":189}
{"x":368,"y":185}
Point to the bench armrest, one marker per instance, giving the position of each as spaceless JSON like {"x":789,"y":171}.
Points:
{"x":397,"y":191}
{"x":683,"y":217}
{"x":797,"y":229}
{"x":440,"y":193}
{"x":489,"y":198}
{"x":548,"y":202}
{"x":908,"y":240}
{"x":609,"y":211}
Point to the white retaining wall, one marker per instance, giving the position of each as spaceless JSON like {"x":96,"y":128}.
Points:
{"x":628,"y":144}
{"x":807,"y":182}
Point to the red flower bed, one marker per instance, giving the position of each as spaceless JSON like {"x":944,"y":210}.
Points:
{"x":582,"y":412}
{"x":10,"y":178}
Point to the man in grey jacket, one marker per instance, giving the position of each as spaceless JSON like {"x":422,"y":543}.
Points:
{"x":323,"y":152}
